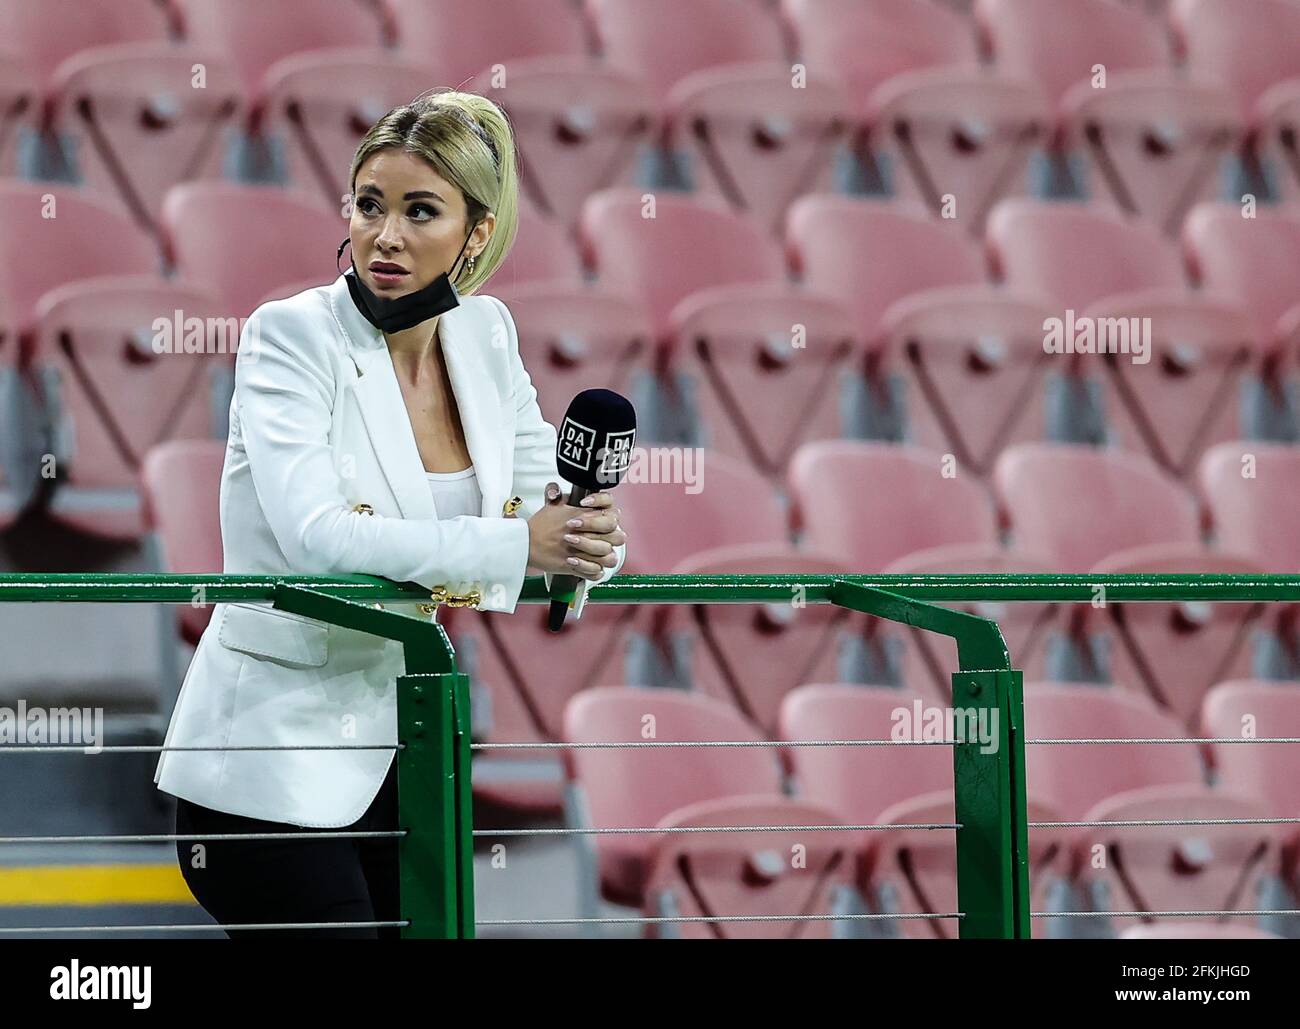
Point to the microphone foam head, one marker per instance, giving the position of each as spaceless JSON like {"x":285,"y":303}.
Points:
{"x":595,"y":440}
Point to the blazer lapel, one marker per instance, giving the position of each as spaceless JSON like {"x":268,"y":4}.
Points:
{"x":383,"y":408}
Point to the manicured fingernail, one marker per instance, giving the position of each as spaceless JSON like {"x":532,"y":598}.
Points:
{"x":572,"y":560}
{"x":586,"y":501}
{"x":573,"y":523}
{"x":570,"y":537}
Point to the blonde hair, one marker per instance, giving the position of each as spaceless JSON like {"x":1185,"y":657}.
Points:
{"x":468,"y":141}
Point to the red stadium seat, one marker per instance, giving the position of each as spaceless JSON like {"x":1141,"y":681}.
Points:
{"x":572,"y":338}
{"x":661,"y":248}
{"x":752,"y":655}
{"x":98,"y":349}
{"x":1152,"y":138}
{"x":1174,"y":652}
{"x":180,"y":482}
{"x":47,"y":33}
{"x":1278,"y":137}
{"x":747,"y":352}
{"x":1077,"y":505}
{"x":743,"y":875}
{"x":638,"y":787}
{"x":1189,"y":929}
{"x":874,"y":503}
{"x":923,"y":101}
{"x":229,"y":239}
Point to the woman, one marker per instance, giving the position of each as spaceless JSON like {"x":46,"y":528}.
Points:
{"x":383,"y":424}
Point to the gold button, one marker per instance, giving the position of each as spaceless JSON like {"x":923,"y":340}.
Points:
{"x":363,"y":508}
{"x":512,"y":505}
{"x":441,"y":596}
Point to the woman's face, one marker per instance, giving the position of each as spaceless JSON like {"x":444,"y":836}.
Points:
{"x":408,"y":224}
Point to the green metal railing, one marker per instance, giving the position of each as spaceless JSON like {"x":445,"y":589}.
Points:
{"x":435,"y":812}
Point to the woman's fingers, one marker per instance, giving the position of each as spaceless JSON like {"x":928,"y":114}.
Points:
{"x":587,"y":569}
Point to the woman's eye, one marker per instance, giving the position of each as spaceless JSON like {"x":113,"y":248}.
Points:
{"x":361,"y":205}
{"x":416,"y":208}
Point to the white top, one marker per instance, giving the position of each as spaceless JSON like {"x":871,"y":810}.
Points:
{"x":455,"y":493}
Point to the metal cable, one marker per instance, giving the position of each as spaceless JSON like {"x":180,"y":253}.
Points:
{"x":201,"y":928}
{"x":1169,"y":821}
{"x":1161,"y":914}
{"x":159,"y":749}
{"x":195,"y":837}
{"x":713,"y":743}
{"x":1190,"y":739}
{"x":713,"y":828}
{"x":655,"y":920}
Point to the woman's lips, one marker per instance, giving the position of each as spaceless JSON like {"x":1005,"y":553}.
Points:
{"x":388,"y":278}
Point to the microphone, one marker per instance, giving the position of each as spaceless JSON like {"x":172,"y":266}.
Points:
{"x":593,"y":450}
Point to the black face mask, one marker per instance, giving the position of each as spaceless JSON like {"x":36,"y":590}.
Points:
{"x":397,"y":313}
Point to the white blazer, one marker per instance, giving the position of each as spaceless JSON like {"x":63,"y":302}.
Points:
{"x":323,"y":476}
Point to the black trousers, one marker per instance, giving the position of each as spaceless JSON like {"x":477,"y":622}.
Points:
{"x":310,"y":880}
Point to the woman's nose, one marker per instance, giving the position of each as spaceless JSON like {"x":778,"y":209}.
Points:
{"x":389,"y":237}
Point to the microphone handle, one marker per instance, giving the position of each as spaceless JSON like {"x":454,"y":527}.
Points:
{"x":564,"y":587}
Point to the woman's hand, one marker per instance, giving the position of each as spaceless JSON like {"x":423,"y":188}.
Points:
{"x":585,"y":549}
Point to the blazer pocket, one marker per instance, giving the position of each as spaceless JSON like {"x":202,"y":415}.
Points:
{"x":266,"y":632}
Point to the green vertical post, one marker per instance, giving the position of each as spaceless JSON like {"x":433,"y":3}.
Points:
{"x":989,"y":784}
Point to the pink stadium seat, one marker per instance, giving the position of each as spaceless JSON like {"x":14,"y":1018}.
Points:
{"x":1252,"y":489}
{"x":1278,"y":137}
{"x":901,"y":870}
{"x":179,"y":482}
{"x":1076,"y":505}
{"x":46,"y":33}
{"x":698,"y":875}
{"x":1152,"y":137}
{"x":1075,"y":778}
{"x":541,"y":253}
{"x":20,"y":105}
{"x":319,"y":109}
{"x":874,"y":503}
{"x":833,"y":238}
{"x":752,"y":655}
{"x":1245,"y":50}
{"x":98,"y":350}
{"x":51,"y":234}
{"x":661,"y":248}
{"x":456,"y":39}
{"x":16,"y":483}
{"x":921,"y":98}
{"x":1254,"y":262}
{"x":1265,"y":772}
{"x":1174,"y":652}
{"x":229,"y":238}
{"x":522,"y":675}
{"x":254,"y":35}
{"x":1177,"y":868}
{"x":719,"y":501}
{"x":928,"y":660}
{"x":638,"y":787}
{"x":1074,"y":255}
{"x":1185,"y":397}
{"x":573,"y":339}
{"x":975,"y":364}
{"x":138,"y":125}
{"x":755,"y":140}
{"x":662,"y":41}
{"x":737,"y":348}
{"x":578,"y":124}
{"x":1188,"y":929}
